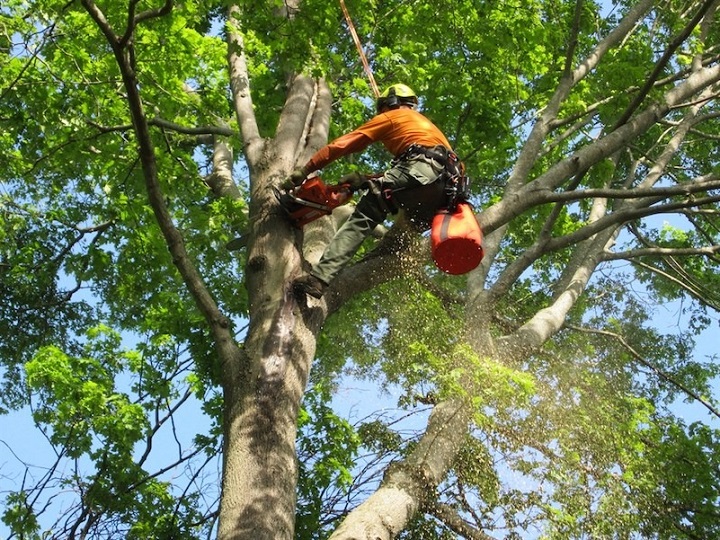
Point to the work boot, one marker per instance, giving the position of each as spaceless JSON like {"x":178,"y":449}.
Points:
{"x":311,"y":285}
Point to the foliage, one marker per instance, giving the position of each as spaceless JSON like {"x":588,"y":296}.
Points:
{"x":577,"y":436}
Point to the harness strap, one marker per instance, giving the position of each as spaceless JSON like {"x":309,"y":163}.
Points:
{"x":457,"y":185}
{"x":447,"y":158}
{"x":383,"y":196}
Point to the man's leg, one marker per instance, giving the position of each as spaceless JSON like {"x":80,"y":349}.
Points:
{"x":349,"y":237}
{"x":342,"y":247}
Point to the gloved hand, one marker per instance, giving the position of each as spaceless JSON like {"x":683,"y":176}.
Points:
{"x":295,"y":179}
{"x":355,"y":180}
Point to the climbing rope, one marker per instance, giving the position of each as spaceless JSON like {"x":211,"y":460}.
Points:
{"x":364,"y":60}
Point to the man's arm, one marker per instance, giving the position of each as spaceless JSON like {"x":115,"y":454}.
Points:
{"x":350,"y":143}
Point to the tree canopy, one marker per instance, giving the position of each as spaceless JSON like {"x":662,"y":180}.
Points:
{"x":181,"y":390}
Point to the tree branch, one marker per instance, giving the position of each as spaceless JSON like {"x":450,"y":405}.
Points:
{"x":295,"y":120}
{"x":531,"y":148}
{"x":240,"y":87}
{"x":409,"y":483}
{"x":545,"y":244}
{"x":220,"y":180}
{"x":155,"y":13}
{"x":318,"y":123}
{"x":685,"y":281}
{"x":663,"y":61}
{"x":661,"y":252}
{"x":573,"y":41}
{"x":703,"y":295}
{"x":219,"y":324}
{"x":34,"y":55}
{"x":659,"y":372}
{"x":134,"y":21}
{"x":449,"y":516}
{"x":624,"y":216}
{"x":99,"y":18}
{"x":705,"y":183}
{"x":199,"y":130}
{"x":401,"y":253}
{"x":523,"y":198}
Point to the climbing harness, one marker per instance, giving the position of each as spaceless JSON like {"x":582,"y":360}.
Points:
{"x":455,"y":181}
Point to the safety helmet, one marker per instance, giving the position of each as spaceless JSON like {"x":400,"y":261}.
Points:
{"x":396,"y":95}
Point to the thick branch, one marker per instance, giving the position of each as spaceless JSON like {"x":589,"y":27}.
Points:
{"x":400,"y":254}
{"x":240,"y":87}
{"x":295,"y":119}
{"x":549,"y":320}
{"x":318,"y":126}
{"x":566,"y":291}
{"x":221,"y":179}
{"x":218,"y":323}
{"x":407,"y":485}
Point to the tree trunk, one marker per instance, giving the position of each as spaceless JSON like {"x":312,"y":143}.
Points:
{"x":260,"y":469}
{"x":263,"y":393}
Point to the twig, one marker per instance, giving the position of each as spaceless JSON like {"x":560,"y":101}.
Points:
{"x":659,"y":372}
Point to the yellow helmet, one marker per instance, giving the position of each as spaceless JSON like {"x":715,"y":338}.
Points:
{"x":396,"y":95}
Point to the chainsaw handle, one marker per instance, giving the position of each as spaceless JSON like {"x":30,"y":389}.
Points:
{"x":340,"y":193}
{"x":342,"y":187}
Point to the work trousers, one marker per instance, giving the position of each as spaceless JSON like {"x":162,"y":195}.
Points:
{"x":414,"y":187}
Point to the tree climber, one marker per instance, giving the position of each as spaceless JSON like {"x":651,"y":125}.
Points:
{"x":422,"y":156}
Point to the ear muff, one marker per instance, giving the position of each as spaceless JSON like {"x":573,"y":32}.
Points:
{"x":396,"y":95}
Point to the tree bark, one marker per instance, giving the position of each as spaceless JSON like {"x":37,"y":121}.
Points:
{"x":260,"y":468}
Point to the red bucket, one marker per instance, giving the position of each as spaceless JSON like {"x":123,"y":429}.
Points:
{"x":456,"y":240}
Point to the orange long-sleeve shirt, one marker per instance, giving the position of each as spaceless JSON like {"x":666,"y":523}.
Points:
{"x":396,"y":129}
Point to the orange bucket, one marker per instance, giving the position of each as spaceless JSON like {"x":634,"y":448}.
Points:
{"x":456,"y":240}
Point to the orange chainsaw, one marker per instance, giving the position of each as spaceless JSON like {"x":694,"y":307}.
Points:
{"x":312,"y":200}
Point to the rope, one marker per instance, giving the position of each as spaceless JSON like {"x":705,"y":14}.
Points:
{"x":365,"y":63}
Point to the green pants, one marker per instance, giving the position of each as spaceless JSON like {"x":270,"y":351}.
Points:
{"x":414,"y":189}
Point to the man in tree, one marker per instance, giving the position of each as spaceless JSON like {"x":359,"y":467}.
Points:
{"x":421,"y":153}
